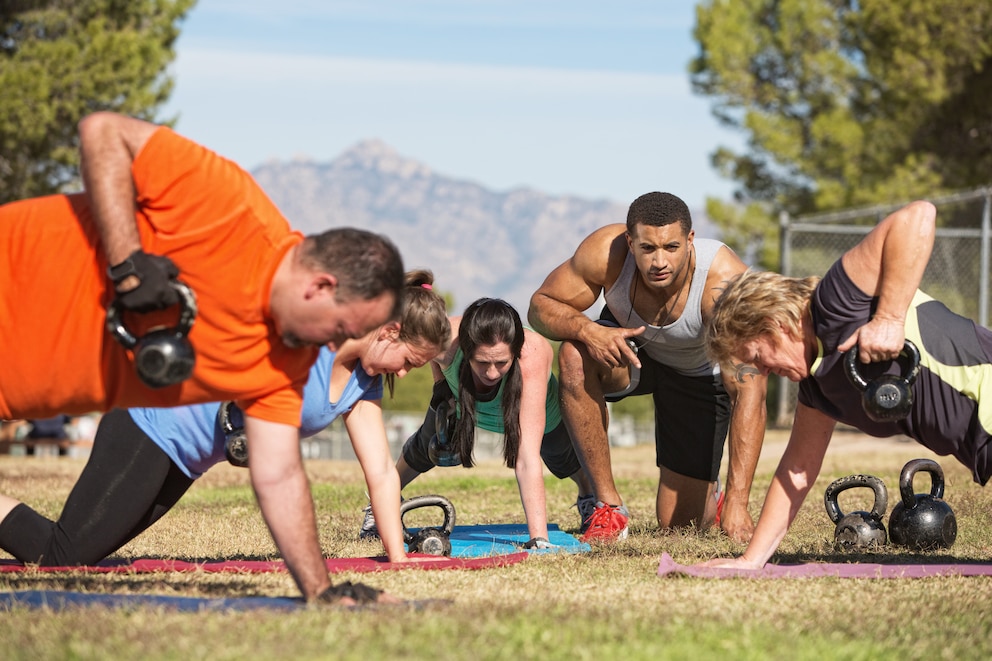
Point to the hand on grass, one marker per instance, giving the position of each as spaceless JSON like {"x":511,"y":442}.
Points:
{"x":737,"y":523}
{"x":347,"y":593}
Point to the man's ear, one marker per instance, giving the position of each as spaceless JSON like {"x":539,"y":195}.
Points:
{"x":322,"y":284}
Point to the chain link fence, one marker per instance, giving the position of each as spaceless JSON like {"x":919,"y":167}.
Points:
{"x":334,"y":442}
{"x":957,"y":274}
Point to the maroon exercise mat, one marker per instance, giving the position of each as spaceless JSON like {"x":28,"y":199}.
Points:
{"x":334,"y":565}
{"x":669,"y":567}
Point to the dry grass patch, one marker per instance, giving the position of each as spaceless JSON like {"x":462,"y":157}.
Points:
{"x":608,"y":603}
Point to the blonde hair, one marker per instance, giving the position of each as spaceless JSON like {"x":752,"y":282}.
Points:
{"x":753,"y":304}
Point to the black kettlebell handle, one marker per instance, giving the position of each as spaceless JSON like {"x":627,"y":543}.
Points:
{"x":910,"y":470}
{"x":428,"y":501}
{"x":235,"y":440}
{"x":854,"y":375}
{"x":187,"y":315}
{"x":830,"y":496}
{"x":441,"y":449}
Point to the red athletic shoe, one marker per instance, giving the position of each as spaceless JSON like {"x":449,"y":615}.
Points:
{"x":608,"y":523}
{"x":719,"y":508}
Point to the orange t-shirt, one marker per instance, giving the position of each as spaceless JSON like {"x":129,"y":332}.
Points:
{"x":227,"y":238}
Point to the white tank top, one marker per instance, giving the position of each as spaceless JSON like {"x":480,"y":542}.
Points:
{"x":680,"y":344}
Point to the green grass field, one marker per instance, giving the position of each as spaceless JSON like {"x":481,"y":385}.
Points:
{"x":606,"y":604}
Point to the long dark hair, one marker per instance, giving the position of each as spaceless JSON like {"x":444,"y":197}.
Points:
{"x":486,"y":322}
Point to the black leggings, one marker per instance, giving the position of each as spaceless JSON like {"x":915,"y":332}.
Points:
{"x":126,"y":486}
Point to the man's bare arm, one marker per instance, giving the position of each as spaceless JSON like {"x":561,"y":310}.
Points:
{"x":747,"y":388}
{"x":283,"y":492}
{"x":108,"y":145}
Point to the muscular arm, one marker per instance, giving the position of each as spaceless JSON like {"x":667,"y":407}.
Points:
{"x":796,"y":473}
{"x":747,"y":389}
{"x":108,"y":145}
{"x":557,"y":307}
{"x":535,"y":366}
{"x":368,"y":438}
{"x":283,"y":492}
{"x":889,"y":263}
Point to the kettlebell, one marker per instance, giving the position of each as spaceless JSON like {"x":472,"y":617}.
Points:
{"x":235,"y":440}
{"x":922,"y":521}
{"x":887,"y":397}
{"x":857,"y":530}
{"x":164,"y":356}
{"x":441,"y":449}
{"x":431,"y":540}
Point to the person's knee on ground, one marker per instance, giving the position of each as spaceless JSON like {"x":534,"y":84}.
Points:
{"x":684,"y":501}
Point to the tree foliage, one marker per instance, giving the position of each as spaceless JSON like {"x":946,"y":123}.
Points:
{"x":63,"y":59}
{"x":844,"y":103}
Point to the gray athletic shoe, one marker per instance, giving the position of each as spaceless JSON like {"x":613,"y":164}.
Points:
{"x":586,"y":506}
{"x":368,"y":530}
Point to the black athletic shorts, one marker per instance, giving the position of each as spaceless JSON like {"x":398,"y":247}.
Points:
{"x":556,"y":447}
{"x":691,"y":414}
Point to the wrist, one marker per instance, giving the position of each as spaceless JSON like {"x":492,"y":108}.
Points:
{"x":123,"y":269}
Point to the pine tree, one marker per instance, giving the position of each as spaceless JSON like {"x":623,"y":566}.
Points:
{"x":63,"y":59}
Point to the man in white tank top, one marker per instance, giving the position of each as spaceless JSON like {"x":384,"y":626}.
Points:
{"x":660,"y":284}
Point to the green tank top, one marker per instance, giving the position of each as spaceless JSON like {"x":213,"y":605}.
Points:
{"x":489,"y":415}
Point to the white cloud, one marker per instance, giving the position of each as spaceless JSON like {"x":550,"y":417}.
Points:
{"x":211,"y":66}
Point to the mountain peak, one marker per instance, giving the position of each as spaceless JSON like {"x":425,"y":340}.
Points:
{"x":376,"y":155}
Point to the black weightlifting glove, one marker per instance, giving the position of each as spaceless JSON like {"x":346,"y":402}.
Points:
{"x":361,"y":593}
{"x":154,"y":274}
{"x":538,"y":543}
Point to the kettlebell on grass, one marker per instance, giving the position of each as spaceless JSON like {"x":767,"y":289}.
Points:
{"x":922,"y":521}
{"x":857,"y":530}
{"x":432,"y":540}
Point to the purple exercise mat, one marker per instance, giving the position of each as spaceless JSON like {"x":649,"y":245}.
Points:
{"x":669,"y":567}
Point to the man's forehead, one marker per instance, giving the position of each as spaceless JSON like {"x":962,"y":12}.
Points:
{"x":658,"y":234}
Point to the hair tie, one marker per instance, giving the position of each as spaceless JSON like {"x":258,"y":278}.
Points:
{"x":427,"y":285}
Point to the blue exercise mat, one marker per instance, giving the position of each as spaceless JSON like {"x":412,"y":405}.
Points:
{"x":58,"y":600}
{"x":504,"y":538}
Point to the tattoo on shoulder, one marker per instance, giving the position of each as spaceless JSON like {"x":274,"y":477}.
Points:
{"x":744,"y":372}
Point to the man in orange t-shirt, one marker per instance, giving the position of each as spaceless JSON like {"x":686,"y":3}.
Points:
{"x":158,"y":206}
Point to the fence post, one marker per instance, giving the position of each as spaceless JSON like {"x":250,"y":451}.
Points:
{"x":782,"y":418}
{"x":983,"y":283}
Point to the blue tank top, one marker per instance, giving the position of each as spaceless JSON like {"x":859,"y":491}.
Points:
{"x":194,"y":441}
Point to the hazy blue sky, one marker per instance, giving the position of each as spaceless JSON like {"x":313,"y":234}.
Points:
{"x":580,"y":97}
